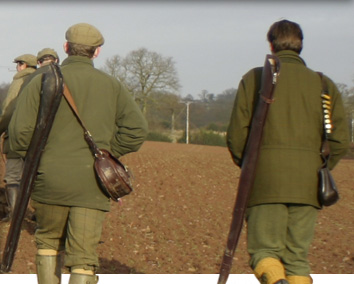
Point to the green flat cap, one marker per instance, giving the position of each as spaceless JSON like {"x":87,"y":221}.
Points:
{"x":29,"y":59}
{"x":84,"y":34}
{"x":47,"y":51}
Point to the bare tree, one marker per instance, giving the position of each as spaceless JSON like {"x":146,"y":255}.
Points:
{"x":144,"y":72}
{"x":206,"y":97}
{"x":113,"y":66}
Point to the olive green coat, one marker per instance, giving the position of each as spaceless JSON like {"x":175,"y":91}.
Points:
{"x":290,"y":150}
{"x":8,"y":106}
{"x":65,"y":174}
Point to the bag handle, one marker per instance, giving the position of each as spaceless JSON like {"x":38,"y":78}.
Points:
{"x":87,"y":135}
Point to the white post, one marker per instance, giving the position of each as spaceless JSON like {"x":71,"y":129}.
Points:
{"x":352,"y":132}
{"x":187,"y":123}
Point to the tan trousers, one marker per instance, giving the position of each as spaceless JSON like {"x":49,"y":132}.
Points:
{"x":73,"y":229}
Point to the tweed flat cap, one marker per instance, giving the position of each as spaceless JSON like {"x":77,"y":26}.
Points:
{"x":84,"y":34}
{"x":47,"y":51}
{"x":29,"y":59}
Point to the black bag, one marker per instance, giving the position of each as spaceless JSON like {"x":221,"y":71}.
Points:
{"x":112,"y":175}
{"x":327,"y":189}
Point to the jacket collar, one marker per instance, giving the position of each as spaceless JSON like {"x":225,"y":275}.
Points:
{"x":77,"y":59}
{"x":289,"y":56}
{"x":24,"y":73}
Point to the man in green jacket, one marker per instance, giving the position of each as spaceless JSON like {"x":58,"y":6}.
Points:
{"x":69,"y":204}
{"x":26,"y":65}
{"x":283,"y":203}
{"x":44,"y":58}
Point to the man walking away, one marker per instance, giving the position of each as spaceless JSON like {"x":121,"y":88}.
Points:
{"x":69,"y":205}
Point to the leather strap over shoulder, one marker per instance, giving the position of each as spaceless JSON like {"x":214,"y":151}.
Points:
{"x":87,"y":135}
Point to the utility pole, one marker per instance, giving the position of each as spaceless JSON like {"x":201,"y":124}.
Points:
{"x":187,"y":122}
{"x":352,"y":130}
{"x":173,"y":126}
{"x":187,"y":103}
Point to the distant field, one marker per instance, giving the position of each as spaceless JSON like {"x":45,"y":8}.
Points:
{"x":178,"y":217}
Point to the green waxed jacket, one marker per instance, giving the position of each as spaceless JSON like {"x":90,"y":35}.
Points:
{"x":290,"y":150}
{"x":65,"y":175}
{"x":8,"y":107}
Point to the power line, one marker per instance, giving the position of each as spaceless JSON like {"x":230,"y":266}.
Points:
{"x":8,"y":68}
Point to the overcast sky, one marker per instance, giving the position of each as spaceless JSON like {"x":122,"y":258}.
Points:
{"x":213,"y":43}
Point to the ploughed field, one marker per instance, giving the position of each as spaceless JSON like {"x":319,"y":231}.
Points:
{"x":177,"y":219}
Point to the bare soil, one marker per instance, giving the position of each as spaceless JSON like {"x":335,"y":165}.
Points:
{"x":177,"y":219}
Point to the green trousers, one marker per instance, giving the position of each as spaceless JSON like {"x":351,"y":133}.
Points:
{"x":76,"y":230}
{"x":283,"y":232}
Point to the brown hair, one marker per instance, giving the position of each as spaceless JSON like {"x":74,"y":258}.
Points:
{"x":48,"y":58}
{"x":285,"y":35}
{"x":81,"y":50}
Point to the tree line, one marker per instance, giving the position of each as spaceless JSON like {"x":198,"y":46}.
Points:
{"x":153,"y":81}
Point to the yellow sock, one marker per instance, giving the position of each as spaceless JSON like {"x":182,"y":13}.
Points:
{"x":299,"y":279}
{"x":270,"y":268}
{"x":47,"y":252}
{"x":82,"y":271}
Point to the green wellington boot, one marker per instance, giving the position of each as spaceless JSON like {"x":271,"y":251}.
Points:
{"x":76,"y":278}
{"x":48,"y":269}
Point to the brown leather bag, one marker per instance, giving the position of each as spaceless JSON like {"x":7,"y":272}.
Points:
{"x":112,"y":175}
